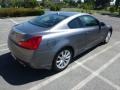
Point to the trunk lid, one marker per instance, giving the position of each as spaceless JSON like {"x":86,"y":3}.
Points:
{"x":24,"y":31}
{"x":30,"y":28}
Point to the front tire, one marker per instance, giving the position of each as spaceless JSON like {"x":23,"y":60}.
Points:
{"x":107,"y":39}
{"x":62,"y":60}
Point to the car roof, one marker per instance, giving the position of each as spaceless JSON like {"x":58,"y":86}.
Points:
{"x":68,"y":14}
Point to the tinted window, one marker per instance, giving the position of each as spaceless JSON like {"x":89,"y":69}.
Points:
{"x":89,"y":21}
{"x":75,"y":23}
{"x":47,"y":20}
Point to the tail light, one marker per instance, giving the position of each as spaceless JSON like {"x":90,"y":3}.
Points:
{"x":32,"y":43}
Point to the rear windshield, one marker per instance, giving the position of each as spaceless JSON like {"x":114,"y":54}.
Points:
{"x":47,"y":21}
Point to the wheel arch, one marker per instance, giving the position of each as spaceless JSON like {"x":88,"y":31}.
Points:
{"x":65,"y":47}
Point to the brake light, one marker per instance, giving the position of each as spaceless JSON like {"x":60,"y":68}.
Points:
{"x":32,"y":43}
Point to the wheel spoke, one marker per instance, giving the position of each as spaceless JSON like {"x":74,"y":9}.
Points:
{"x":65,"y":62}
{"x":68,"y":54}
{"x":68,"y":57}
{"x":62,"y":54}
{"x":59,"y":57}
{"x":58,"y":62}
{"x":108,"y":36}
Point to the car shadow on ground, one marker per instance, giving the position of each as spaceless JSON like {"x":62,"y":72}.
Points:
{"x":13,"y":73}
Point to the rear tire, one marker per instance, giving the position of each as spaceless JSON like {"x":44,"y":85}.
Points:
{"x":62,"y":60}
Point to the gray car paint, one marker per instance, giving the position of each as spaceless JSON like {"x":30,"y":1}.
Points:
{"x":53,"y":40}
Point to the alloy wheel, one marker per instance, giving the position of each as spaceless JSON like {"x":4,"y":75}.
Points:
{"x":63,"y":59}
{"x":108,"y":37}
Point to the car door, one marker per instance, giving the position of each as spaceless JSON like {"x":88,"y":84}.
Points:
{"x":92,"y":30}
{"x":78,"y":37}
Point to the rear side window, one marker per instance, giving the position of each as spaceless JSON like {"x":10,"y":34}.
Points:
{"x":89,"y":21}
{"x":75,"y":23}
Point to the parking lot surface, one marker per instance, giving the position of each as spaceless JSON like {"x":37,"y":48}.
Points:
{"x":96,"y":69}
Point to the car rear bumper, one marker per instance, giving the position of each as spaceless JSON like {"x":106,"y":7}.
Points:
{"x":35,"y":59}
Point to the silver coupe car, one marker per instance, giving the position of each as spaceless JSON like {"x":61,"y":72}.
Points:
{"x":52,"y":40}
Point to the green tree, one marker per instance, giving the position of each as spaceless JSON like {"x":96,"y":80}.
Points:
{"x":72,"y":3}
{"x":30,"y":3}
{"x":46,"y":3}
{"x":79,"y":2}
{"x":34,"y":3}
{"x":102,"y":3}
{"x":14,"y":3}
{"x":117,"y":4}
{"x":66,"y":1}
{"x":3,"y":3}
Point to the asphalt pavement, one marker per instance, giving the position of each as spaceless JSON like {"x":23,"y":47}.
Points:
{"x":96,"y":69}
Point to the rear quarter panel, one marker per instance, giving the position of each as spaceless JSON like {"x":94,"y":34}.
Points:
{"x":61,"y":38}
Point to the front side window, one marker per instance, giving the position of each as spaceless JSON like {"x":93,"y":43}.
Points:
{"x":89,"y":21}
{"x":75,"y":23}
{"x":47,"y":21}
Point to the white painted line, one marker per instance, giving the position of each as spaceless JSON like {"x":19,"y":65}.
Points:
{"x":1,"y":45}
{"x":2,"y":50}
{"x":97,"y":54}
{"x":96,"y":73}
{"x":99,"y":76}
{"x":44,"y":83}
{"x":13,"y":21}
{"x":40,"y":85}
{"x":5,"y":31}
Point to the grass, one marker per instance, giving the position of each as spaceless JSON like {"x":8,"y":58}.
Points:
{"x":80,"y":10}
{"x":103,"y":12}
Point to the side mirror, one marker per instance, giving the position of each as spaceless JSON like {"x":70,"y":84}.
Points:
{"x":102,"y":24}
